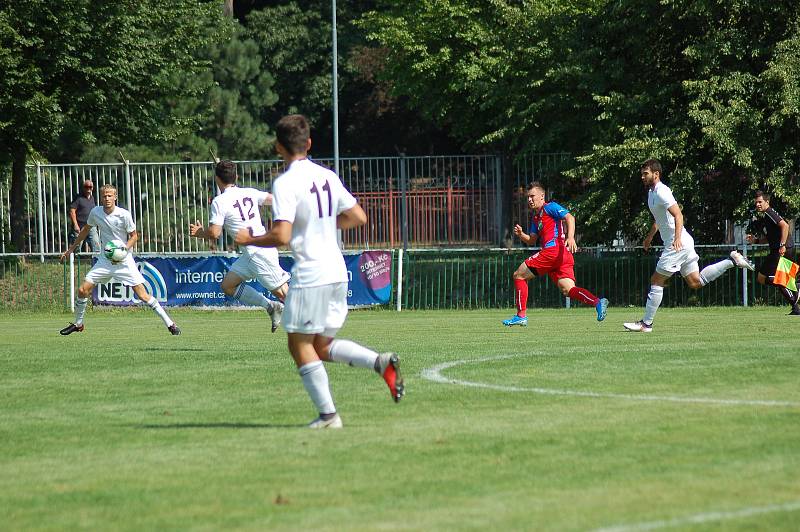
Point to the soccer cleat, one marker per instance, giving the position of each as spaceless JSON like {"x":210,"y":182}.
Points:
{"x":516,"y":320}
{"x":741,"y":262}
{"x":638,"y":326}
{"x":333,"y":423}
{"x":795,"y":311}
{"x":601,"y":308}
{"x":275,"y":313}
{"x":174,"y":330}
{"x":71,"y":328}
{"x":390,"y":371}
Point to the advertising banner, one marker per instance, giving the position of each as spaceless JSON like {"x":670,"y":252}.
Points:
{"x":195,"y":281}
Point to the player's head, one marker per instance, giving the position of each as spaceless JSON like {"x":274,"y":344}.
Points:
{"x":225,"y":171}
{"x":293,"y":136}
{"x":108,"y":196}
{"x":761,"y":199}
{"x":535,"y":195}
{"x":651,"y":172}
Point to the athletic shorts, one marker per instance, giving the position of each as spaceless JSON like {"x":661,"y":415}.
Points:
{"x":557,"y":262}
{"x":126,"y":272}
{"x":262,"y":265}
{"x":684,"y":261}
{"x":770,"y":264}
{"x":316,"y":309}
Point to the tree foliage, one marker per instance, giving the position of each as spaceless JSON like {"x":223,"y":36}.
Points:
{"x":100,"y":69}
{"x":709,"y":87}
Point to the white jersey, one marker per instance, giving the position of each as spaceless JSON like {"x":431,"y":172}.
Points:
{"x":659,"y":199}
{"x":114,"y":226}
{"x":310,"y":197}
{"x":239,"y":208}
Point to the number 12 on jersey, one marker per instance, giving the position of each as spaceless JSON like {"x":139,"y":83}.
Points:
{"x":326,"y":187}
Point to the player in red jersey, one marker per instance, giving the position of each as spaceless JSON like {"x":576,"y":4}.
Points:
{"x":548,"y":221}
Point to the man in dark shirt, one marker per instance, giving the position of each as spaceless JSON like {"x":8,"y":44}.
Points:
{"x":78,"y":214}
{"x":773,"y":230}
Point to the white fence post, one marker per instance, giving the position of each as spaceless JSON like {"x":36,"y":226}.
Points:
{"x":40,"y":217}
{"x":399,"y":279}
{"x":744,"y":275}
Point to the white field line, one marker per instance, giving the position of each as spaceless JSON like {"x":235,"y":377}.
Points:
{"x":435,"y":374}
{"x":703,"y":518}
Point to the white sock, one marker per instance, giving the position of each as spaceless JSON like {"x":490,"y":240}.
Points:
{"x":80,"y":309}
{"x":352,"y":354}
{"x":712,"y":271}
{"x":653,"y":301}
{"x":156,"y":306}
{"x":315,"y":380}
{"x":250,"y":296}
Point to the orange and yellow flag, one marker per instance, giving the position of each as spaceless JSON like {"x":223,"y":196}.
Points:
{"x":786,"y":274}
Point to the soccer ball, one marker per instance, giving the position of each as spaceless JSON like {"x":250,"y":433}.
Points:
{"x":115,"y":251}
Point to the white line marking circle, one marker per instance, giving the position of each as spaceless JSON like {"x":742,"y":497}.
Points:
{"x":434,"y":374}
{"x":703,"y":518}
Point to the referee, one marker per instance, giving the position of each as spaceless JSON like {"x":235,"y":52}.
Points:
{"x":774,"y":230}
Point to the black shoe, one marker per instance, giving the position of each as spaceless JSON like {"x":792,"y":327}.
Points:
{"x":173,"y":329}
{"x":71,"y":328}
{"x":795,"y":312}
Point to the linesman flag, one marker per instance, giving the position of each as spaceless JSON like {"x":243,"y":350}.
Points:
{"x":786,"y":274}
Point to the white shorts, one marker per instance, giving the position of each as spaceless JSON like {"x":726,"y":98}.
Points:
{"x":126,"y":272}
{"x":684,"y":261}
{"x":316,"y":309}
{"x":262,"y":265}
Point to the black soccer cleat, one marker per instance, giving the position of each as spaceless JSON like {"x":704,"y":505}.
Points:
{"x":174,"y":330}
{"x":71,"y":328}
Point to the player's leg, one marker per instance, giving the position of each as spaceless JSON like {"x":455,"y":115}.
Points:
{"x":81,"y":301}
{"x":658,"y":281}
{"x":255,"y":265}
{"x":342,"y":351}
{"x":524,"y":273}
{"x":564,"y":277}
{"x":153,"y":303}
{"x":713,"y":271}
{"x":315,"y":380}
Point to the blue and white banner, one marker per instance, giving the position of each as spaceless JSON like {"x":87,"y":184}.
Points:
{"x":196,"y":281}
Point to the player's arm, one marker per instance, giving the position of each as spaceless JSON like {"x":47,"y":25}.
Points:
{"x":78,"y":241}
{"x":675,"y":211}
{"x":572,"y":246}
{"x":279,"y":235}
{"x":648,"y":239}
{"x":133,"y":237}
{"x":211,"y":232}
{"x":352,"y":217}
{"x":527,"y":239}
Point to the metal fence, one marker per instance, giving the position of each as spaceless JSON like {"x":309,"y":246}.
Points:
{"x":410,"y":201}
{"x":454,"y":279}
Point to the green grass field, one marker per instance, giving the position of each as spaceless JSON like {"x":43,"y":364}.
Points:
{"x":564,"y":425}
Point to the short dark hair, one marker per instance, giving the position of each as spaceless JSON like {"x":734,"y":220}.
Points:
{"x":293,"y":133}
{"x":537,"y":184}
{"x":226,"y":171}
{"x":763,"y":195}
{"x":654,"y":165}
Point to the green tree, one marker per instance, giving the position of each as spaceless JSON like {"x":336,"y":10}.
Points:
{"x":98,"y":69}
{"x":709,"y":87}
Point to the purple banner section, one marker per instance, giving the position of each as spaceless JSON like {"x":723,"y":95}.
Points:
{"x":195,"y":281}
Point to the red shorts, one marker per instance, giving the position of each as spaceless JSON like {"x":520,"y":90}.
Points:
{"x":557,"y":262}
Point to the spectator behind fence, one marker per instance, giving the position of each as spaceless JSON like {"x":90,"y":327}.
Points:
{"x":79,"y":211}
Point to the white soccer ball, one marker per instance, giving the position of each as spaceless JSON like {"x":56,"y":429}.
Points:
{"x":115,"y":251}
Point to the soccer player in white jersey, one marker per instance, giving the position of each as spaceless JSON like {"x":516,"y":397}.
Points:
{"x":113,"y":222}
{"x":678,"y":254}
{"x":237,"y":208}
{"x":309,"y":204}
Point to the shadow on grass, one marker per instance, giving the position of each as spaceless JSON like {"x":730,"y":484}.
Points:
{"x":178,"y":426}
{"x":193,"y":349}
